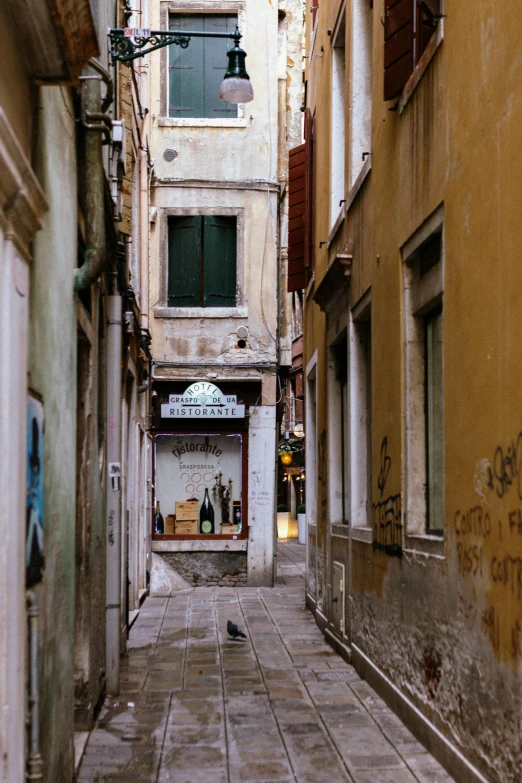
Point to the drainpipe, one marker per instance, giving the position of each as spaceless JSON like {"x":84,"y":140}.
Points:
{"x":144,"y":230}
{"x":94,"y":121}
{"x":34,"y":761}
{"x":113,"y":609}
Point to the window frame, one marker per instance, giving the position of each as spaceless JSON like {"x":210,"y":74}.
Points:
{"x":211,"y":431}
{"x":162,"y":309}
{"x":422,"y":296}
{"x":197,"y":7}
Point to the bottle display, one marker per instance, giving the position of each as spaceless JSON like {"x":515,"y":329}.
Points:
{"x":206,"y":516}
{"x":159,"y":523}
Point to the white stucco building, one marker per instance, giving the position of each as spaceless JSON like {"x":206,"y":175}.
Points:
{"x":217,"y":303}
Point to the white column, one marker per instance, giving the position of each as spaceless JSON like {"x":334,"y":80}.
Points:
{"x":14,"y":309}
{"x":261,"y":496}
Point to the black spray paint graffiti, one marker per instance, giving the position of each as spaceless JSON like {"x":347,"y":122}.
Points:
{"x":387,"y":513}
{"x":507,"y":468}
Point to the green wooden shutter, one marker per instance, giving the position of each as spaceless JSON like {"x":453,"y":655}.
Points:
{"x":196,"y":73}
{"x":215,"y":65}
{"x":186,"y":69}
{"x":219,"y":243}
{"x":184,"y":284}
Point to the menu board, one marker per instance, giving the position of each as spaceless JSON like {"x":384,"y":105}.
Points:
{"x":186,"y":465}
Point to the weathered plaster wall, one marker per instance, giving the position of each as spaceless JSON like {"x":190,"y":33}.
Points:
{"x":214,"y":338}
{"x":52,"y":373}
{"x":444,"y":622}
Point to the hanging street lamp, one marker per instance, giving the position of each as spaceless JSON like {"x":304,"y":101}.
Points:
{"x":129,"y":43}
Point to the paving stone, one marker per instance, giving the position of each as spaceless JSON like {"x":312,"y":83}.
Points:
{"x":278,"y":707}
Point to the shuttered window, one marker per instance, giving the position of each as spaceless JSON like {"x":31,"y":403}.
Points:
{"x":196,"y":73}
{"x":301,"y":210}
{"x":296,"y":219}
{"x":202,"y":261}
{"x":408,"y":26}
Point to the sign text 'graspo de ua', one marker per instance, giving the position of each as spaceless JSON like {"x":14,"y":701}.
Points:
{"x":202,"y":400}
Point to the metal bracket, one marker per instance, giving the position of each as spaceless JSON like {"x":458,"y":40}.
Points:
{"x":127,"y":43}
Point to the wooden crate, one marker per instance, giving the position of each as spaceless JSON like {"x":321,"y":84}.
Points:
{"x":170,"y":522}
{"x":187,"y":511}
{"x":186,"y":526}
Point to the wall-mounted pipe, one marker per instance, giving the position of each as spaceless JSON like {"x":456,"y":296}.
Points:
{"x":109,"y":95}
{"x":34,"y":758}
{"x":113,"y":589}
{"x":95,"y":254}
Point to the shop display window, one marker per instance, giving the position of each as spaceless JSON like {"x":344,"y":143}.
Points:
{"x":198,"y":486}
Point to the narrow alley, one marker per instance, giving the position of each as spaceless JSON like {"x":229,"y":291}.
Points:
{"x":281,"y":706}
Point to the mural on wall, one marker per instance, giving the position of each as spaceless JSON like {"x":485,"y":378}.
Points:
{"x":387,"y":512}
{"x":489,"y":546}
{"x":34,"y":559}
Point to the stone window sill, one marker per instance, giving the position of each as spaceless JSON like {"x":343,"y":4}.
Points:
{"x":364,"y":534}
{"x":200,"y":312}
{"x":201,"y":122}
{"x":431,"y":546}
{"x":422,"y":66}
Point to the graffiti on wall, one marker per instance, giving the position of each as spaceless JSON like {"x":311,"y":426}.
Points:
{"x":489,"y":545}
{"x":387,"y":512}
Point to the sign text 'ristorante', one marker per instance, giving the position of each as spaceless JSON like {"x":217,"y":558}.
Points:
{"x":202,"y":400}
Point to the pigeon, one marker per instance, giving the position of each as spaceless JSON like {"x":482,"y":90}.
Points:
{"x":234,"y":631}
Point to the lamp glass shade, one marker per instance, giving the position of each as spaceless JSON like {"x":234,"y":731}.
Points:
{"x":236,"y":90}
{"x":236,"y":87}
{"x":286,"y":458}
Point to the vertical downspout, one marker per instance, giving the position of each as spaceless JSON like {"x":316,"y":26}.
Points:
{"x":144,"y":232}
{"x":113,"y":608}
{"x":34,"y":760}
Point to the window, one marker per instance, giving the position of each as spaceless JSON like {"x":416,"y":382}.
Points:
{"x":423,"y":290}
{"x":337,"y":162}
{"x":198,"y":485}
{"x":361,"y":413}
{"x":301,"y":209}
{"x":196,"y":73}
{"x":408,"y":28}
{"x":433,"y":407}
{"x":338,"y":473}
{"x":361,"y":86}
{"x":202,"y":261}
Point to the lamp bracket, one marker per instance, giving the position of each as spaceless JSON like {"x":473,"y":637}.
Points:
{"x":128,"y":43}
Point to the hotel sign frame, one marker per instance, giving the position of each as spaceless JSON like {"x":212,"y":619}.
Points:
{"x":202,"y":400}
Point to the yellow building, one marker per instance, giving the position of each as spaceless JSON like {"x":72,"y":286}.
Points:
{"x":411,"y":176}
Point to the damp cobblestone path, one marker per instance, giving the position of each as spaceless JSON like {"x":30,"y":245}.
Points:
{"x":280,"y":707}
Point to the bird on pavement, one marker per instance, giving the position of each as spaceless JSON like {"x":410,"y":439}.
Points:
{"x":234,"y":631}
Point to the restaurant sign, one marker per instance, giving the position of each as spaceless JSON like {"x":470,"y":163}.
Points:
{"x":202,"y":400}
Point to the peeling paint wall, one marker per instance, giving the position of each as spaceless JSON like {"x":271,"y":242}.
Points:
{"x":444,"y":621}
{"x":234,"y":167}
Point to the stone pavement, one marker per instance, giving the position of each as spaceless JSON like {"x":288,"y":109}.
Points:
{"x":280,"y":707}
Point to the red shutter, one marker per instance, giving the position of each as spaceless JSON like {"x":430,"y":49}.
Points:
{"x":314,"y":8}
{"x":398,"y":46}
{"x":428,"y":16}
{"x":296,"y":219}
{"x":309,"y":134}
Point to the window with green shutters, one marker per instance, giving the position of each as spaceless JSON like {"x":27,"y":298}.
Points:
{"x":196,"y":73}
{"x":202,"y":261}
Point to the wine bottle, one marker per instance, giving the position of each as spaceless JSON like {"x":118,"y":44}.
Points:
{"x":206,"y":516}
{"x":159,"y":523}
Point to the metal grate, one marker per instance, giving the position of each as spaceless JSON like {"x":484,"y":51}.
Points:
{"x":170,"y":155}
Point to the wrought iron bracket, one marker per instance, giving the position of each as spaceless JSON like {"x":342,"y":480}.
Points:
{"x":128,"y":43}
